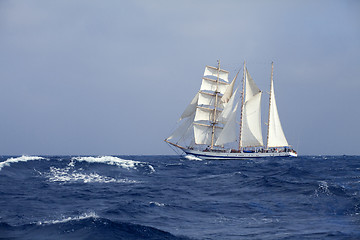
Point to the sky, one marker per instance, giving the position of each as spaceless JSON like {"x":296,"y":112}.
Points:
{"x":112,"y":77}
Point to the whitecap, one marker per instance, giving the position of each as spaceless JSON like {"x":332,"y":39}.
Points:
{"x":110,"y":160}
{"x":19,"y":159}
{"x":323,"y":188}
{"x":152,"y":169}
{"x":192,"y":158}
{"x":67,"y":175}
{"x":157,"y":204}
{"x":67,"y":219}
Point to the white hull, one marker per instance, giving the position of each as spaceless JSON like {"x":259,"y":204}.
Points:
{"x":236,"y":156}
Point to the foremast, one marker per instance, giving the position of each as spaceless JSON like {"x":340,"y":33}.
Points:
{"x":214,"y":119}
{"x":200,"y":120}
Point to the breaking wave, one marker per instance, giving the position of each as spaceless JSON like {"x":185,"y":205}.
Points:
{"x":110,"y":160}
{"x":192,"y":158}
{"x":70,"y":174}
{"x":65,"y":175}
{"x":157,"y":204}
{"x":19,"y":159}
{"x":67,"y":219}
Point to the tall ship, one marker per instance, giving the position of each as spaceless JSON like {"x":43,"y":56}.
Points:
{"x":224,"y":122}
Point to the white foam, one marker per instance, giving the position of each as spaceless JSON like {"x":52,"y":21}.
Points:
{"x":152,"y":169}
{"x":64,"y":220}
{"x":68,"y":175}
{"x":192,"y":158}
{"x":19,"y":159}
{"x":128,"y":164}
{"x":322,"y":189}
{"x":157,"y":204}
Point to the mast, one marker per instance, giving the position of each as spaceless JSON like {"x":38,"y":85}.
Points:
{"x":242,"y":107}
{"x":215,"y":106}
{"x":268,"y":124}
{"x":276,"y":136}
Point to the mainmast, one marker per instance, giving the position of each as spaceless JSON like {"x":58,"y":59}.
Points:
{"x":242,"y":106}
{"x":268,"y":124}
{"x":215,"y":106}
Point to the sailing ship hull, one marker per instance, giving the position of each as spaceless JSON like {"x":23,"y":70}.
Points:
{"x":236,"y":156}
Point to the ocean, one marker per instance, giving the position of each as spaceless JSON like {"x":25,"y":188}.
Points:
{"x":173,"y":197}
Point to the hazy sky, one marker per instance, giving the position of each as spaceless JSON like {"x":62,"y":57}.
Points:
{"x":113,"y":77}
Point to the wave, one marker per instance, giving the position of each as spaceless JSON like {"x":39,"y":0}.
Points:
{"x":70,"y":174}
{"x":110,"y":160}
{"x":323,"y":189}
{"x":19,"y":159}
{"x":333,"y":189}
{"x":68,"y":219}
{"x":192,"y":158}
{"x":86,"y":226}
{"x":65,"y":175}
{"x":157,"y":204}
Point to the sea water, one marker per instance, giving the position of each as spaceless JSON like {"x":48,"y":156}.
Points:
{"x":172,"y":197}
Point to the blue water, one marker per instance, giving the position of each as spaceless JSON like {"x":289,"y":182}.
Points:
{"x":171,"y":197}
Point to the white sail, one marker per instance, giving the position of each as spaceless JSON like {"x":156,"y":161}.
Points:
{"x":228,"y":109}
{"x":204,"y":114}
{"x":251,"y":87}
{"x":203,"y":133}
{"x":251,"y":134}
{"x":276,"y":137}
{"x":208,"y":99}
{"x":229,"y":133}
{"x":209,"y":105}
{"x":191,"y":108}
{"x":184,"y":130}
{"x":214,"y":72}
{"x":208,"y":84}
{"x":229,"y":91}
